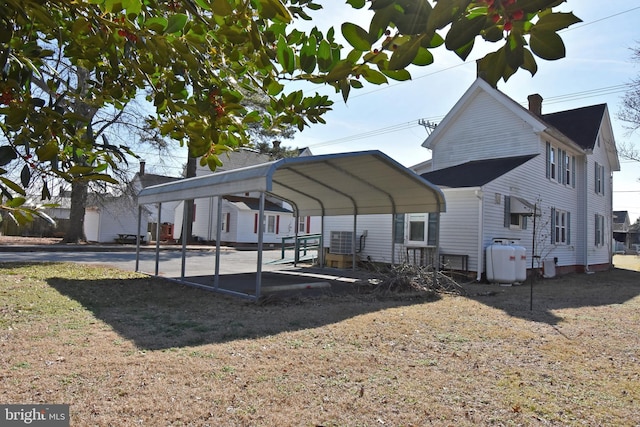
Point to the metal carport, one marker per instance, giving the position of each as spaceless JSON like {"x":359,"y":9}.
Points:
{"x":357,"y":183}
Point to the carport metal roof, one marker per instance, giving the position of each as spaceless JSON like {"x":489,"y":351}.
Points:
{"x":359,"y":183}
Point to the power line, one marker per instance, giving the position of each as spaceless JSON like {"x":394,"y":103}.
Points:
{"x":467,"y":62}
{"x":406,"y":125}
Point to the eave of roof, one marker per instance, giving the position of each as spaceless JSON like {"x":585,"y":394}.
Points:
{"x":253,"y":204}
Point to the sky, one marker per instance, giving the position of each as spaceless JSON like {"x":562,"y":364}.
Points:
{"x":597,"y":69}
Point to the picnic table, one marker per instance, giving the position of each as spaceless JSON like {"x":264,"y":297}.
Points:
{"x":128,"y":238}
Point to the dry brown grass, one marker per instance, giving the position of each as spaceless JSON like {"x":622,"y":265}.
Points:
{"x":123,"y":349}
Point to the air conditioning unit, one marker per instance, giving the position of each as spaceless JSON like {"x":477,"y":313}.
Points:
{"x":341,"y":242}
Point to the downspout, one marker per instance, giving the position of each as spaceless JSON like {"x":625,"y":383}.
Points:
{"x":480,"y":196}
{"x":585,"y":204}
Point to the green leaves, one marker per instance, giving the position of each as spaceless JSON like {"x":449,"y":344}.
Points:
{"x":197,"y":58}
{"x":7,"y":154}
{"x":545,"y":42}
{"x":176,"y":23}
{"x":356,"y":36}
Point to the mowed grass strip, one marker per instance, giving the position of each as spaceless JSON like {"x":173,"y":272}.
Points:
{"x":124,"y":349}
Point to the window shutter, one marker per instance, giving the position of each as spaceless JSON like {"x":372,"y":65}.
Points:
{"x":277,"y":224}
{"x":597,"y":230}
{"x":553,"y":226}
{"x":548,"y":153}
{"x":602,"y":180}
{"x":507,"y":211}
{"x":398,"y":224}
{"x":568,"y":228}
{"x":227,"y":222}
{"x":308,"y":229}
{"x":255,"y":223}
{"x":573,"y":171}
{"x":432,"y":229}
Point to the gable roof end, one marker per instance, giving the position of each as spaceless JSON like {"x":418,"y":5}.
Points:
{"x":479,"y":85}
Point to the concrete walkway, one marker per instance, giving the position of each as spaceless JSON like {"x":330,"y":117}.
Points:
{"x":237,"y":267}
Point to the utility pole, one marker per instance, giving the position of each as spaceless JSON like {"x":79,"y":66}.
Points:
{"x":429,"y":126}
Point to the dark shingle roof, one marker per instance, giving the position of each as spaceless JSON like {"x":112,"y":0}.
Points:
{"x":254,"y":204}
{"x":581,"y":124}
{"x":149,"y":179}
{"x":475,"y":173}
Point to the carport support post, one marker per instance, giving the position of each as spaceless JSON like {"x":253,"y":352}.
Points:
{"x":353,"y":240}
{"x":138,"y":238}
{"x":393,"y":237}
{"x":321,"y":243}
{"x":216,"y":277}
{"x":260,"y":241}
{"x":185,"y":212}
{"x":158,"y":238}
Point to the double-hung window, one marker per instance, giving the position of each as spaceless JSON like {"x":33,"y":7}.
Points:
{"x":560,"y":227}
{"x":560,"y":166}
{"x":599,"y":230}
{"x":552,"y":164}
{"x":599,"y":178}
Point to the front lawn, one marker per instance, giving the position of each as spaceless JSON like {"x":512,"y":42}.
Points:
{"x":124,"y":349}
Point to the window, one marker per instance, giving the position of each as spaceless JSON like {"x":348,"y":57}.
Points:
{"x":417,"y":227}
{"x":560,"y":227}
{"x":599,"y":178}
{"x":599,"y":229}
{"x":561,"y":166}
{"x":513,"y":220}
{"x":271,"y":224}
{"x":421,"y":228}
{"x":552,"y":163}
{"x":302,"y":224}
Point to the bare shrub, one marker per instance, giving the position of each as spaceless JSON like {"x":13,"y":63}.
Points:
{"x":410,"y":278}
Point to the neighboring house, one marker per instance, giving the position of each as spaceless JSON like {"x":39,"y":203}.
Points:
{"x":496,"y":161}
{"x":240,"y":211}
{"x":107,"y":217}
{"x":621,"y":231}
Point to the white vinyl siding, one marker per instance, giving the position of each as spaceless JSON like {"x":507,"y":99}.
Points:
{"x":475,"y":135}
{"x":459,"y":225}
{"x":377,"y":243}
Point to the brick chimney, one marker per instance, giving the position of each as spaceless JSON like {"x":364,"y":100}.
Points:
{"x":535,"y":104}
{"x":142,"y":165}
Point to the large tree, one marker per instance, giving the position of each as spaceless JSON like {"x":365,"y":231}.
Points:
{"x":630,"y":114}
{"x":195,"y":60}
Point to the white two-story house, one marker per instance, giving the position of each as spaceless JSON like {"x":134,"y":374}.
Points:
{"x":498,"y":162}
